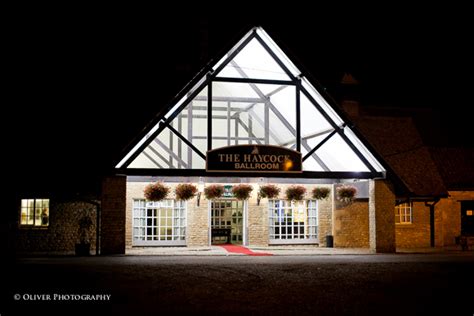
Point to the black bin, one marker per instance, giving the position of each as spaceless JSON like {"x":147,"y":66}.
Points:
{"x":329,"y":241}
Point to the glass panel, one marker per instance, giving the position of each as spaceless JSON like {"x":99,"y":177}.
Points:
{"x":253,"y":62}
{"x":365,"y":152}
{"x":312,"y":121}
{"x":239,"y":114}
{"x":321,"y":101}
{"x":168,"y":150}
{"x":338,"y":156}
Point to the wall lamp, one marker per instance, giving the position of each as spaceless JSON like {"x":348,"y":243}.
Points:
{"x":200,"y":190}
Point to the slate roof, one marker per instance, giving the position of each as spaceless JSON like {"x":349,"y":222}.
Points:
{"x":397,"y":140}
{"x":456,"y":166}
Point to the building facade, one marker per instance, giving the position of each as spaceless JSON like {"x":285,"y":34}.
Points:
{"x":252,"y":119}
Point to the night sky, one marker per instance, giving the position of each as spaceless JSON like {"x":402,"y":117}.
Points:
{"x":83,"y":85}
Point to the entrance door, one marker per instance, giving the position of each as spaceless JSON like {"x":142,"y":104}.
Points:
{"x":467,"y":218}
{"x":227,"y":214}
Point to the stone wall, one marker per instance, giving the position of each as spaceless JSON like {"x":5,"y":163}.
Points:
{"x":381,"y":216}
{"x":198,"y":217}
{"x":450,"y":209}
{"x":257,"y":220}
{"x":113,"y":215}
{"x":417,"y":234}
{"x":351,"y":225}
{"x":62,"y":234}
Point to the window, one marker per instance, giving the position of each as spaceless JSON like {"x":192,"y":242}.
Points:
{"x":34,"y":212}
{"x":293,"y":221}
{"x":159,"y":223}
{"x":403,"y":213}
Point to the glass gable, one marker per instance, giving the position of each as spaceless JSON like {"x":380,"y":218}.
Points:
{"x":252,"y":97}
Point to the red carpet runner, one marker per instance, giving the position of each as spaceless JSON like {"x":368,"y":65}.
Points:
{"x":243,"y":250}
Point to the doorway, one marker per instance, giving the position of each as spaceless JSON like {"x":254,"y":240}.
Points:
{"x":467,"y":218}
{"x":227,"y":218}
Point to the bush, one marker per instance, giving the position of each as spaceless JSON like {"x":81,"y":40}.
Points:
{"x":295,"y":193}
{"x":242,"y":191}
{"x":185,"y":191}
{"x":269,"y":191}
{"x":214,"y":191}
{"x":346,"y":193}
{"x":156,"y":191}
{"x":320,"y":193}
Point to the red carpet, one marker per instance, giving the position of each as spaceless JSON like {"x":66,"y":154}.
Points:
{"x":243,"y":250}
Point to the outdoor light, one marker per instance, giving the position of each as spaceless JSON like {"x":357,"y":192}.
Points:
{"x":260,"y":182}
{"x":200,"y":190}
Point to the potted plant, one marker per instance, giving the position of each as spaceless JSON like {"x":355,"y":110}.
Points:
{"x":156,"y":191}
{"x":213,"y":191}
{"x":185,"y":191}
{"x":346,"y":193}
{"x":269,"y":191}
{"x":295,"y":193}
{"x":83,"y":248}
{"x":242,"y":191}
{"x":320,"y":193}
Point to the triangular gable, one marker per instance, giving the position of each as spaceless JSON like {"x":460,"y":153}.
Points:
{"x":253,"y":95}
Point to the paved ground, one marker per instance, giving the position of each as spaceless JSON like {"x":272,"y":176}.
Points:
{"x":401,"y":284}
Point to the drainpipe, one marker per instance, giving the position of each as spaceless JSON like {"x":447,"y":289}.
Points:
{"x":432,"y":220}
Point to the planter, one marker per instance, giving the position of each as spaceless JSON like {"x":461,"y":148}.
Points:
{"x":185,"y":191}
{"x":242,"y":191}
{"x":346,"y":194}
{"x":320,"y":193}
{"x":269,"y":191}
{"x":156,"y":191}
{"x":295,"y":193}
{"x":214,"y":191}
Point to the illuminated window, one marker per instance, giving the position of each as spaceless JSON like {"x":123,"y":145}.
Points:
{"x":293,"y":221}
{"x":159,"y":223}
{"x":34,"y":212}
{"x":403,"y":213}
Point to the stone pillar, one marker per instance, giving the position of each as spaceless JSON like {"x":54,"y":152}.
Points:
{"x":381,"y":216}
{"x":113,"y":215}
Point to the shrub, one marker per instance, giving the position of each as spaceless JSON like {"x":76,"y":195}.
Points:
{"x":346,"y":193}
{"x":320,"y":193}
{"x":156,"y":191}
{"x":242,"y":191}
{"x":269,"y":191}
{"x":295,"y":193}
{"x":214,"y":191}
{"x":185,"y":191}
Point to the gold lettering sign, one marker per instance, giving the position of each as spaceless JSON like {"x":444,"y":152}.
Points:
{"x":253,"y":158}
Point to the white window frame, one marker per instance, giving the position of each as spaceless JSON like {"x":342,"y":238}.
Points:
{"x":310,"y":234}
{"x":34,"y":209}
{"x":404,"y":214}
{"x":141,"y":218}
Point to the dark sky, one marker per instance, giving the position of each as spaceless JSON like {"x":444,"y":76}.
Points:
{"x":83,"y":85}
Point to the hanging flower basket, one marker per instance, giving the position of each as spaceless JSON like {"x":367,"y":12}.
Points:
{"x":269,"y":191}
{"x":346,"y":193}
{"x":242,"y":191}
{"x":320,"y":193}
{"x":214,"y":191}
{"x":156,"y":191}
{"x":185,"y":191}
{"x":295,"y":193}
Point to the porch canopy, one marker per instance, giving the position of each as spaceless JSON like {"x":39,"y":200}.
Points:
{"x":253,"y":94}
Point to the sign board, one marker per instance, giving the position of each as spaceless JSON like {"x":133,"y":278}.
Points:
{"x":253,"y":158}
{"x":228,"y":191}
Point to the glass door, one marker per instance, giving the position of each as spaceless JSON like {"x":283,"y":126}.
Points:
{"x":226,"y":218}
